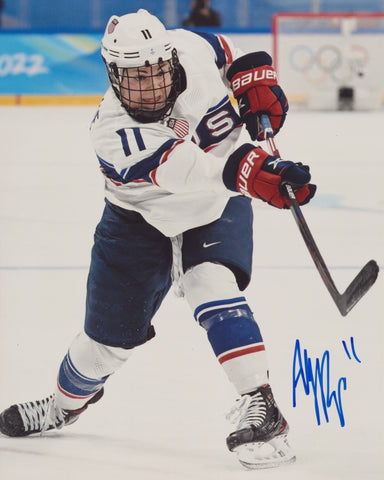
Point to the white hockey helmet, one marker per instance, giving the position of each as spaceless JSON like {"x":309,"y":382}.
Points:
{"x":140,"y":41}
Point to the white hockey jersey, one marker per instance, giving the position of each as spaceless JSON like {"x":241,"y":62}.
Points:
{"x":171,"y":171}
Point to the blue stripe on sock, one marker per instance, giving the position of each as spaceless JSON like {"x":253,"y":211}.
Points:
{"x":229,"y":323}
{"x":71,"y":381}
{"x":206,"y":310}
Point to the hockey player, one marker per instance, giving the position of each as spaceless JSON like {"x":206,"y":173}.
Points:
{"x":178,"y":209}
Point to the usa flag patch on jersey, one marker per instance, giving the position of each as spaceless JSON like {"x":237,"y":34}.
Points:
{"x":180,"y":127}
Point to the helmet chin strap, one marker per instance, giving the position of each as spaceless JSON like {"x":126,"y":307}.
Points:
{"x":148,"y":116}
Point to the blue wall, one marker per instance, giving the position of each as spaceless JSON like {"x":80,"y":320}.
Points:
{"x":88,"y":15}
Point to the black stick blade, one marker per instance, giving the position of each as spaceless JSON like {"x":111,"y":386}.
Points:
{"x":359,"y":287}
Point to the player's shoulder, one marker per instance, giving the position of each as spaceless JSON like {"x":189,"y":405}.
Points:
{"x":190,"y":43}
{"x":204,"y":45}
{"x":186,"y":36}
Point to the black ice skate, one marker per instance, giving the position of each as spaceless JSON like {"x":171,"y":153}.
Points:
{"x":39,"y":416}
{"x":260,"y":440}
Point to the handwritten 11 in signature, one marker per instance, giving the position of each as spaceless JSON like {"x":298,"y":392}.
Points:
{"x":316,"y":376}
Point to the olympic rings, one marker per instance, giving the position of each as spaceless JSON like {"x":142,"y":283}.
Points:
{"x":328,"y":62}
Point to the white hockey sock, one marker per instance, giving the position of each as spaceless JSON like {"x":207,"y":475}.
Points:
{"x":218,"y":305}
{"x":85,"y":369}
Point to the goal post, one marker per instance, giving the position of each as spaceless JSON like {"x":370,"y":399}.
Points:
{"x":330,"y":61}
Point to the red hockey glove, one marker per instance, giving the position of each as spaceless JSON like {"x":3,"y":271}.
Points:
{"x":254,"y":173}
{"x":254,"y":85}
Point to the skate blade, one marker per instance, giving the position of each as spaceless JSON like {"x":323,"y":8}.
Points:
{"x":259,"y":455}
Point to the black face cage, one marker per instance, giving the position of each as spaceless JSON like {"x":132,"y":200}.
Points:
{"x":139,"y":94}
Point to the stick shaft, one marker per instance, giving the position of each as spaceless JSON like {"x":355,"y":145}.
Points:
{"x":364,"y":279}
{"x":300,"y":219}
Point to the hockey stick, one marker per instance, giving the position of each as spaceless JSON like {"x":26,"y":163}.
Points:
{"x":363,"y":280}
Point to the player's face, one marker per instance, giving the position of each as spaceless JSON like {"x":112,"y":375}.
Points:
{"x":147,"y":88}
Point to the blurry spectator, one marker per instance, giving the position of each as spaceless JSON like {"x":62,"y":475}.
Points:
{"x":1,"y":8}
{"x":202,"y":15}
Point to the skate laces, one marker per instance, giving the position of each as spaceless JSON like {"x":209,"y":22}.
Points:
{"x":248,"y":410}
{"x":41,"y":415}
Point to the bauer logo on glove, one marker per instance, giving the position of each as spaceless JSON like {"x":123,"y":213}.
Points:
{"x":254,"y":85}
{"x":242,"y":81}
{"x":252,"y":172}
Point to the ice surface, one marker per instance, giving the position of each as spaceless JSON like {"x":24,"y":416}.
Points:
{"x":162,"y":416}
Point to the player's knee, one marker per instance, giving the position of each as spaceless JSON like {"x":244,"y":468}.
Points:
{"x":94,"y":359}
{"x":208,"y":281}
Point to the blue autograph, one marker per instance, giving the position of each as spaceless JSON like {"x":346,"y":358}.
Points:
{"x":317,"y":377}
